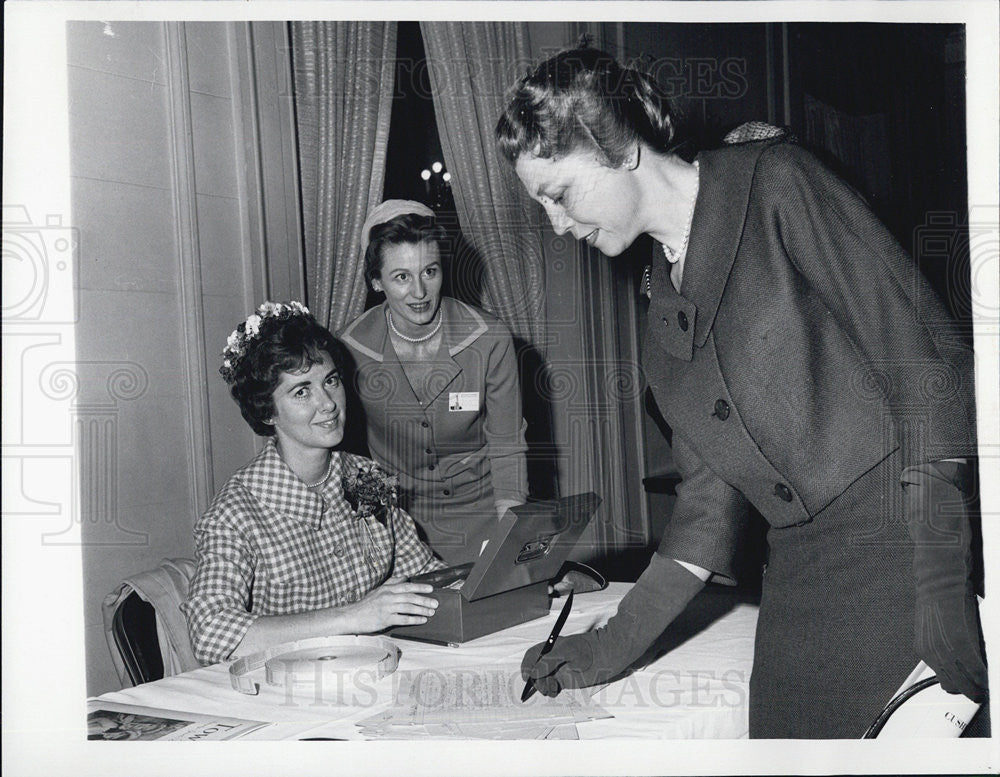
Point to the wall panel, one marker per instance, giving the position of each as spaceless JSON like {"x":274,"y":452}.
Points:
{"x":161,"y":148}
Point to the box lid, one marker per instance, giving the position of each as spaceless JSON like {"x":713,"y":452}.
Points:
{"x":529,"y":544}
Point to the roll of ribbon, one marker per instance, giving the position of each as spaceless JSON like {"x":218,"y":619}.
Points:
{"x":327,"y":662}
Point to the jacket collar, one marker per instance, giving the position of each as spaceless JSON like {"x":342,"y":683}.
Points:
{"x":725,"y":178}
{"x":368,"y":334}
{"x":269,"y":479}
{"x":463,"y":325}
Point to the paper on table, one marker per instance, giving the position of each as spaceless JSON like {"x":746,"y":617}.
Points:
{"x":475,"y":702}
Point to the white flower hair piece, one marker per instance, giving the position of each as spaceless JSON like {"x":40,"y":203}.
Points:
{"x":239,"y":340}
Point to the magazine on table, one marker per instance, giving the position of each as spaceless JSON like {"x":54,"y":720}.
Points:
{"x":127,"y":722}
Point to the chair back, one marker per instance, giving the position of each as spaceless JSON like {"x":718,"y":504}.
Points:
{"x":146,"y":632}
{"x":133,"y":629}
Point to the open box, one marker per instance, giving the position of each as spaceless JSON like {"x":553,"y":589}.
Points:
{"x":508,"y":583}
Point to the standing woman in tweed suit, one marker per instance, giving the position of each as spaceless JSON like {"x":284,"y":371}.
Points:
{"x":304,"y":541}
{"x":805,"y":368}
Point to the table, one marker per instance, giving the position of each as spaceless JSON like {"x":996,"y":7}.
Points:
{"x":692,"y":684}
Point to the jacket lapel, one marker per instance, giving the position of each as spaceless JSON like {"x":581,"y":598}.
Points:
{"x":393,"y":368}
{"x":456,"y":336}
{"x":726,"y":175}
{"x":368,"y":334}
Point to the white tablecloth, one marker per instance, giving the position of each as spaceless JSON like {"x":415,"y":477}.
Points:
{"x":695,"y":684}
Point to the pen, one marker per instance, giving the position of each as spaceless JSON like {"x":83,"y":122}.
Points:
{"x":529,"y":686}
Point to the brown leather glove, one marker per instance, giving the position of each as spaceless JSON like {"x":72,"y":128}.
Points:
{"x":947,"y":635}
{"x":579,"y":660}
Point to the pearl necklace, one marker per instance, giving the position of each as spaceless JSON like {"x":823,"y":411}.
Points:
{"x":426,"y":337}
{"x":326,"y":477}
{"x":672,"y":255}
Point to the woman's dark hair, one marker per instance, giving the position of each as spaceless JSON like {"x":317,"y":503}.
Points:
{"x":583,"y":97}
{"x":407,"y":228}
{"x":284,"y":343}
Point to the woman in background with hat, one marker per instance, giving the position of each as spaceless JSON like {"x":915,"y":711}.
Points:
{"x":438,"y":381}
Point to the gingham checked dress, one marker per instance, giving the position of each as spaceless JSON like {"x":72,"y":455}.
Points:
{"x":269,"y":546}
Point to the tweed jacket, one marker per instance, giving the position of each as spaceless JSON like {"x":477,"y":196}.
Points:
{"x":464,"y":444}
{"x":803,"y":349}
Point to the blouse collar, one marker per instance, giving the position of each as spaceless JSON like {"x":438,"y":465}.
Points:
{"x":274,"y":484}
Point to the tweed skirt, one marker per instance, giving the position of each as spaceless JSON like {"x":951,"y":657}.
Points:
{"x":835,"y":633}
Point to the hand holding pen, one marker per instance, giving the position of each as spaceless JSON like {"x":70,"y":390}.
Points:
{"x":546,"y":648}
{"x":599,"y":656}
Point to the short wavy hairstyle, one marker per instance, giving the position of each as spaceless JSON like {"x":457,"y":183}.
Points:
{"x":584,"y":98}
{"x":282,"y":344}
{"x":406,"y":228}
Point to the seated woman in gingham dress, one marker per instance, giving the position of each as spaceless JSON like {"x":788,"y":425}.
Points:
{"x":304,"y":541}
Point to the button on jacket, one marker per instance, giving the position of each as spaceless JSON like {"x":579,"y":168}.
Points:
{"x":460,"y":450}
{"x":803,"y":348}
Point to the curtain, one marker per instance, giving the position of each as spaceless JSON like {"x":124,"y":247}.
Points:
{"x":343,"y":77}
{"x":471,"y":67}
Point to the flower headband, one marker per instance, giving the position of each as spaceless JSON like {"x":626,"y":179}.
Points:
{"x":241,"y":337}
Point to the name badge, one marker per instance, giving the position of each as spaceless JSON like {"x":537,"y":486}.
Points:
{"x":463,"y":401}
